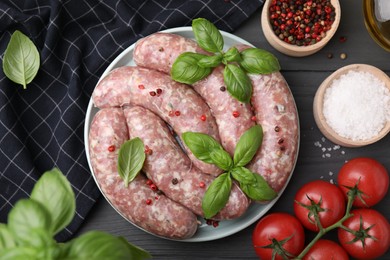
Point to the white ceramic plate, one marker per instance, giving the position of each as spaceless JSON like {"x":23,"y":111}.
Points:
{"x":205,"y":232}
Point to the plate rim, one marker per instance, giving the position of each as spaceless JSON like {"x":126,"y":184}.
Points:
{"x":218,"y":235}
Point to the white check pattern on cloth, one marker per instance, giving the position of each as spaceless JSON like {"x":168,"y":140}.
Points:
{"x":42,"y":127}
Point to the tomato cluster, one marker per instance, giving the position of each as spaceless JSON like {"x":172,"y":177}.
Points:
{"x":321,"y":206}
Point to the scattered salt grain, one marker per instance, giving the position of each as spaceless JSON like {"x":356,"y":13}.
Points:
{"x":328,"y":149}
{"x":357,"y":105}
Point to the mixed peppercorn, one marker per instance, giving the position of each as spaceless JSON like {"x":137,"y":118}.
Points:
{"x":301,"y":22}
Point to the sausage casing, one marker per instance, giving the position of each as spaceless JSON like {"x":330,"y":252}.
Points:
{"x":162,"y":216}
{"x":172,"y":171}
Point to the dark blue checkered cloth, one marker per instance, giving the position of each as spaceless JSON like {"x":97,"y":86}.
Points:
{"x":42,"y":127}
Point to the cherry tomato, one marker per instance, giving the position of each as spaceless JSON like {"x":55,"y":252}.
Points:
{"x":369,"y":175}
{"x":322,"y":197}
{"x":275,"y":228}
{"x":325,"y":249}
{"x":372,"y":236}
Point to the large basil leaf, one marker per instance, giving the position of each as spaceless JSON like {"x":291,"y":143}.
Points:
{"x":131,"y":159}
{"x":243,"y":175}
{"x":21,"y":59}
{"x":201,"y":145}
{"x":26,"y":218}
{"x":217,"y":195}
{"x":259,"y":61}
{"x":222,"y":159}
{"x":6,"y":238}
{"x":186,"y":68}
{"x":237,"y":82}
{"x":247,"y":146}
{"x":207,"y":35}
{"x":53,"y":190}
{"x":260,"y":190}
{"x":99,"y":245}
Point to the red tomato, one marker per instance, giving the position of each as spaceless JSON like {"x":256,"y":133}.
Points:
{"x":370,"y":176}
{"x":281,"y":227}
{"x":326,"y":198}
{"x":325,"y":249}
{"x":376,"y":240}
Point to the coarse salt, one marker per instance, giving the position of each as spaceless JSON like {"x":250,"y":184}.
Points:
{"x":357,"y":105}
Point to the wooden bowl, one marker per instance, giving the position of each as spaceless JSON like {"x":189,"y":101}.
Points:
{"x":320,"y":119}
{"x":291,"y":49}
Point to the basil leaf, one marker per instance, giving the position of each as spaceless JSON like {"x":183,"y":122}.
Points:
{"x":207,"y":35}
{"x":210,"y":61}
{"x":232,"y":55}
{"x":131,"y":158}
{"x":100,"y":245}
{"x":186,"y":69}
{"x":221,"y":159}
{"x":42,"y":239}
{"x":217,"y":195}
{"x":25,"y":218}
{"x":260,"y":190}
{"x":238,"y":83}
{"x":243,"y":175}
{"x":21,"y":59}
{"x":19,"y":253}
{"x":201,"y":145}
{"x":135,"y":252}
{"x":247,"y":146}
{"x":53,"y":190}
{"x":258,"y":61}
{"x":6,"y":238}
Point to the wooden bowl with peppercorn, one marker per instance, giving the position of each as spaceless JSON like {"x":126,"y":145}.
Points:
{"x":302,"y":27}
{"x":352,"y":106}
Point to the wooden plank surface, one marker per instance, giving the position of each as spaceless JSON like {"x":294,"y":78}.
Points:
{"x":304,"y":75}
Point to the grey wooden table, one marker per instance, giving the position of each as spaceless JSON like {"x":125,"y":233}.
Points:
{"x":304,"y":75}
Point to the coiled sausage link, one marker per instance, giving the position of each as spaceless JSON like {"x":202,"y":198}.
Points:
{"x":177,"y":104}
{"x":161,"y":216}
{"x":159,"y":50}
{"x":171,"y":170}
{"x":277,"y":114}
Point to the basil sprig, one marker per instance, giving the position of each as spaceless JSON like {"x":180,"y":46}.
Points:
{"x":190,"y":67}
{"x":33,"y":223}
{"x":209,"y":150}
{"x":21,"y":59}
{"x":131,"y":159}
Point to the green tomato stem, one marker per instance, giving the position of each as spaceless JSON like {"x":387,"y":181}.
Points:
{"x":322,"y":231}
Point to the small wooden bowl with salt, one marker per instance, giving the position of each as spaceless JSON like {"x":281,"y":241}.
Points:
{"x":352,"y":106}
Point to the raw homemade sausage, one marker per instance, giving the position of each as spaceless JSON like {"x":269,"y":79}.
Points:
{"x":277,"y":114}
{"x":233,"y":118}
{"x":159,"y":50}
{"x":171,"y":170}
{"x":161,"y":216}
{"x":177,"y":104}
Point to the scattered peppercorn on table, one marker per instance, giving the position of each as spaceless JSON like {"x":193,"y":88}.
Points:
{"x":318,"y":157}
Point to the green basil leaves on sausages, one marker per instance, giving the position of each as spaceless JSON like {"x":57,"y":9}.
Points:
{"x":190,"y":67}
{"x":207,"y":149}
